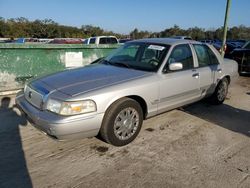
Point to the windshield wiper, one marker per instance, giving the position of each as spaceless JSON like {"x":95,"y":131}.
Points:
{"x":120,"y":64}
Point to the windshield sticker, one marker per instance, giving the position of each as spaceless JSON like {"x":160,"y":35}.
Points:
{"x":156,"y":47}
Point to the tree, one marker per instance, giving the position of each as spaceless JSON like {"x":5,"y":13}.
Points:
{"x":196,"y":33}
{"x":135,"y":34}
{"x":91,"y":31}
{"x":47,"y":28}
{"x":3,"y":27}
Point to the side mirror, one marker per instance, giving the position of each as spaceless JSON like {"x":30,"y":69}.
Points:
{"x":175,"y":66}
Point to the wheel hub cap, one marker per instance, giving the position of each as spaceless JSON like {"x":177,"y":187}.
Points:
{"x":126,"y":123}
{"x":222,"y":91}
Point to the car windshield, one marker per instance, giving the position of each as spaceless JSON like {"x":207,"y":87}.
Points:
{"x":140,"y":56}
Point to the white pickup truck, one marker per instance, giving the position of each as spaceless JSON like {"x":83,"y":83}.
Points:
{"x":101,"y":40}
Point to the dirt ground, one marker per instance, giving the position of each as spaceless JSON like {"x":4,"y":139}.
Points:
{"x":196,"y":146}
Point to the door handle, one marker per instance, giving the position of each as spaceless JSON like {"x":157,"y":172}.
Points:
{"x":219,"y":70}
{"x":196,"y":75}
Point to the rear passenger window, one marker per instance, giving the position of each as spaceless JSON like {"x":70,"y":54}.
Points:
{"x":103,"y":41}
{"x":212,"y":56}
{"x":182,"y":54}
{"x":92,"y":41}
{"x":113,"y":41}
{"x":202,"y":55}
{"x":205,"y":55}
{"x":108,"y":40}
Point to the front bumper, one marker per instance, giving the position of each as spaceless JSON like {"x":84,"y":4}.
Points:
{"x":60,"y":127}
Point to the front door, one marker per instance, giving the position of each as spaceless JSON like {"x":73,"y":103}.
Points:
{"x":180,"y":87}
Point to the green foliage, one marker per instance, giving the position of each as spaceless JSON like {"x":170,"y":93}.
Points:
{"x":47,"y":28}
{"x":135,"y":34}
{"x":241,"y":32}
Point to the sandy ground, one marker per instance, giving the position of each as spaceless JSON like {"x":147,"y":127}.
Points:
{"x":196,"y":146}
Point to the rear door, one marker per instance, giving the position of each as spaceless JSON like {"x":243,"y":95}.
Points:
{"x":209,"y":68}
{"x":180,"y":87}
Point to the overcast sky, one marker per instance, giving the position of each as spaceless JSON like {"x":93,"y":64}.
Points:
{"x":124,"y":15}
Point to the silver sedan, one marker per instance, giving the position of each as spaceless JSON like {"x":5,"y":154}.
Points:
{"x":113,"y":96}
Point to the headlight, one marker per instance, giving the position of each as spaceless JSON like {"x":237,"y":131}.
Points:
{"x":71,"y":108}
{"x":54,"y":106}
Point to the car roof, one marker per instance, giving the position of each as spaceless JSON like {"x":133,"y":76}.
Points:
{"x":181,"y":37}
{"x":103,"y":37}
{"x":165,"y":41}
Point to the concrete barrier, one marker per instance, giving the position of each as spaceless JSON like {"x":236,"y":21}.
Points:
{"x":21,"y":62}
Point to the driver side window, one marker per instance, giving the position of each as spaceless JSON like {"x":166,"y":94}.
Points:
{"x":181,"y":54}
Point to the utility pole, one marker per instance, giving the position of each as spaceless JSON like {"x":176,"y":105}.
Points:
{"x":225,"y":28}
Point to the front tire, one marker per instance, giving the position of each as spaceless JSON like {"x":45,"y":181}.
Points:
{"x":122,"y":122}
{"x":220,"y":92}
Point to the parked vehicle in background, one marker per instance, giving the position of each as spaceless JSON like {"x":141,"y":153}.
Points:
{"x":139,"y":80}
{"x":237,"y":43}
{"x":44,"y":40}
{"x":242,"y":56}
{"x":207,"y":41}
{"x":101,"y":40}
{"x":66,"y":41}
{"x":182,"y":37}
{"x":25,"y":40}
{"x":3,"y":40}
{"x":20,"y":41}
{"x":229,"y":47}
{"x":14,"y":40}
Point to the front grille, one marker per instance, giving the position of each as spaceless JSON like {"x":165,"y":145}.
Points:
{"x":33,"y":97}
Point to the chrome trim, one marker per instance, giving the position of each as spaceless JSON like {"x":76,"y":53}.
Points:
{"x":33,"y":97}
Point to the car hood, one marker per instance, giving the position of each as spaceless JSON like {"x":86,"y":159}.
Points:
{"x":78,"y":81}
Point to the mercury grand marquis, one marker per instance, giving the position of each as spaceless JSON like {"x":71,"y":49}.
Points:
{"x":112,"y":96}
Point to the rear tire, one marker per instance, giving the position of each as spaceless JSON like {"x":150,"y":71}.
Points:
{"x":122,"y":122}
{"x":220,"y":92}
